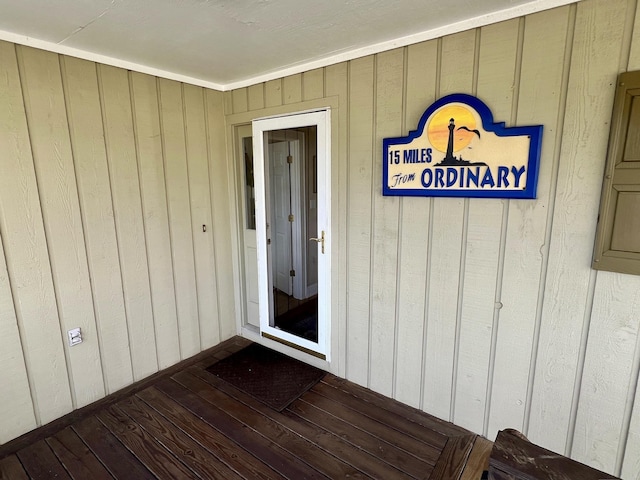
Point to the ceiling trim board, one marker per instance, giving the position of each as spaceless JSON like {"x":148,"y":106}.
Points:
{"x":495,"y":17}
{"x":114,"y":62}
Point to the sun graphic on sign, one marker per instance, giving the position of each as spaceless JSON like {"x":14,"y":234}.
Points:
{"x":438,"y":128}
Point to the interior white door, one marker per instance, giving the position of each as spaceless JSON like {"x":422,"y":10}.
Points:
{"x":280,"y":178}
{"x":244,"y":145}
{"x":263,"y":131}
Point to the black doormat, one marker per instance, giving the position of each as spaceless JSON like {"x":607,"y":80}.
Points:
{"x":268,"y":376}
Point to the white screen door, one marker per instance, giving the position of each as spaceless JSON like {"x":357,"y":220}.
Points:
{"x":292,"y":189}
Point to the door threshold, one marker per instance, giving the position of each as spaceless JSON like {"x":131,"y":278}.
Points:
{"x":294,"y":346}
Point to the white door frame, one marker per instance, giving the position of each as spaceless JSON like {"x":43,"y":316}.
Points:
{"x":322,"y":120}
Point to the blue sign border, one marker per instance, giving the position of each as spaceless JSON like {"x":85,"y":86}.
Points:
{"x":534,"y":132}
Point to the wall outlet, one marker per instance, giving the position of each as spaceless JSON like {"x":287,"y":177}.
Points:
{"x":75,"y":336}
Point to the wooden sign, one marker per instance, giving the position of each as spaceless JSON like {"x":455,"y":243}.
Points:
{"x":458,"y":151}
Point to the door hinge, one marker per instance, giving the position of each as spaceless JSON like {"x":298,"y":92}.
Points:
{"x":292,"y":273}
{"x":289,"y":159}
{"x":291,"y":218}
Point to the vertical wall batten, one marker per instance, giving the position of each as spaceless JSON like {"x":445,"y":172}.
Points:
{"x":458,"y":317}
{"x":461,"y":296}
{"x":220,"y":211}
{"x":419,"y":88}
{"x":455,"y":75}
{"x":348,"y":206}
{"x":57,"y":185}
{"x":180,"y":223}
{"x":630,"y":446}
{"x":593,"y":63}
{"x":495,"y":67}
{"x":399,"y":269}
{"x":361,"y":83}
{"x":462,"y":267}
{"x":212,"y":213}
{"x":88,"y":147}
{"x":551,"y":199}
{"x":424,"y":388}
{"x":127,"y":205}
{"x":228,"y":102}
{"x":26,"y":252}
{"x":16,"y":399}
{"x":372,"y":215}
{"x":313,"y":84}
{"x":584,"y":339}
{"x":542,"y":49}
{"x":256,"y":97}
{"x":630,"y":403}
{"x":134,"y":129}
{"x":229,"y":105}
{"x":273,"y":93}
{"x":495,"y":321}
{"x":55,"y":159}
{"x":198,"y":170}
{"x":193,"y":231}
{"x":336,"y":83}
{"x":621,"y":331}
{"x":385,"y":210}
{"x":146,"y":125}
{"x":628,"y":458}
{"x":292,"y":89}
{"x":634,"y":43}
{"x":576,"y":391}
{"x":608,"y":370}
{"x":240,"y":100}
{"x":516,"y":59}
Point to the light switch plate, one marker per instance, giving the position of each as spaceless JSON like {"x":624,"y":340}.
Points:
{"x":75,"y":336}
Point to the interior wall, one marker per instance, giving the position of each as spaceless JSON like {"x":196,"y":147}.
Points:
{"x":486,"y":312}
{"x":107,"y":178}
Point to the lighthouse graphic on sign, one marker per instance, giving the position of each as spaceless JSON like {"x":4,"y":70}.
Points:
{"x":458,"y":150}
{"x":449,"y":158}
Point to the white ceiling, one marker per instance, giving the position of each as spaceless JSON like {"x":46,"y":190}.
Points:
{"x":225,"y":44}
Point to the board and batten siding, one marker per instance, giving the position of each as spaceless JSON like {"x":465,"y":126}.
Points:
{"x":485,"y":312}
{"x":114,"y":217}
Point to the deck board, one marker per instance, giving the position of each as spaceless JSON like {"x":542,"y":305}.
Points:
{"x":40,"y":462}
{"x":268,"y":451}
{"x":190,"y":424}
{"x":181,"y":445}
{"x":298,"y":447}
{"x":333,"y":444}
{"x":76,"y":457}
{"x":153,"y":455}
{"x":221,"y":447}
{"x":11,"y":469}
{"x":120,"y":462}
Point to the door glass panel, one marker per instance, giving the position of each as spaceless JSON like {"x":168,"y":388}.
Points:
{"x":292,"y":221}
{"x":249,"y":187}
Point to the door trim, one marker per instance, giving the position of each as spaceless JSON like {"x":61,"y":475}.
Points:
{"x":322,"y":120}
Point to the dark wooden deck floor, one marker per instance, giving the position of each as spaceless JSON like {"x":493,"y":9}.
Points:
{"x":190,"y":424}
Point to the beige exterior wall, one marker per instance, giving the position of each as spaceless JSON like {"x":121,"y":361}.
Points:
{"x":486,"y":312}
{"x":482,"y":312}
{"x":106,"y":179}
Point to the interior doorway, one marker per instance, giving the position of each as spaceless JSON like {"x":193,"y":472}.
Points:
{"x":292,"y":210}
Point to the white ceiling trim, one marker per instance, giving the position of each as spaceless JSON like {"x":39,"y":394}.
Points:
{"x":495,"y":17}
{"x":115,"y":62}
